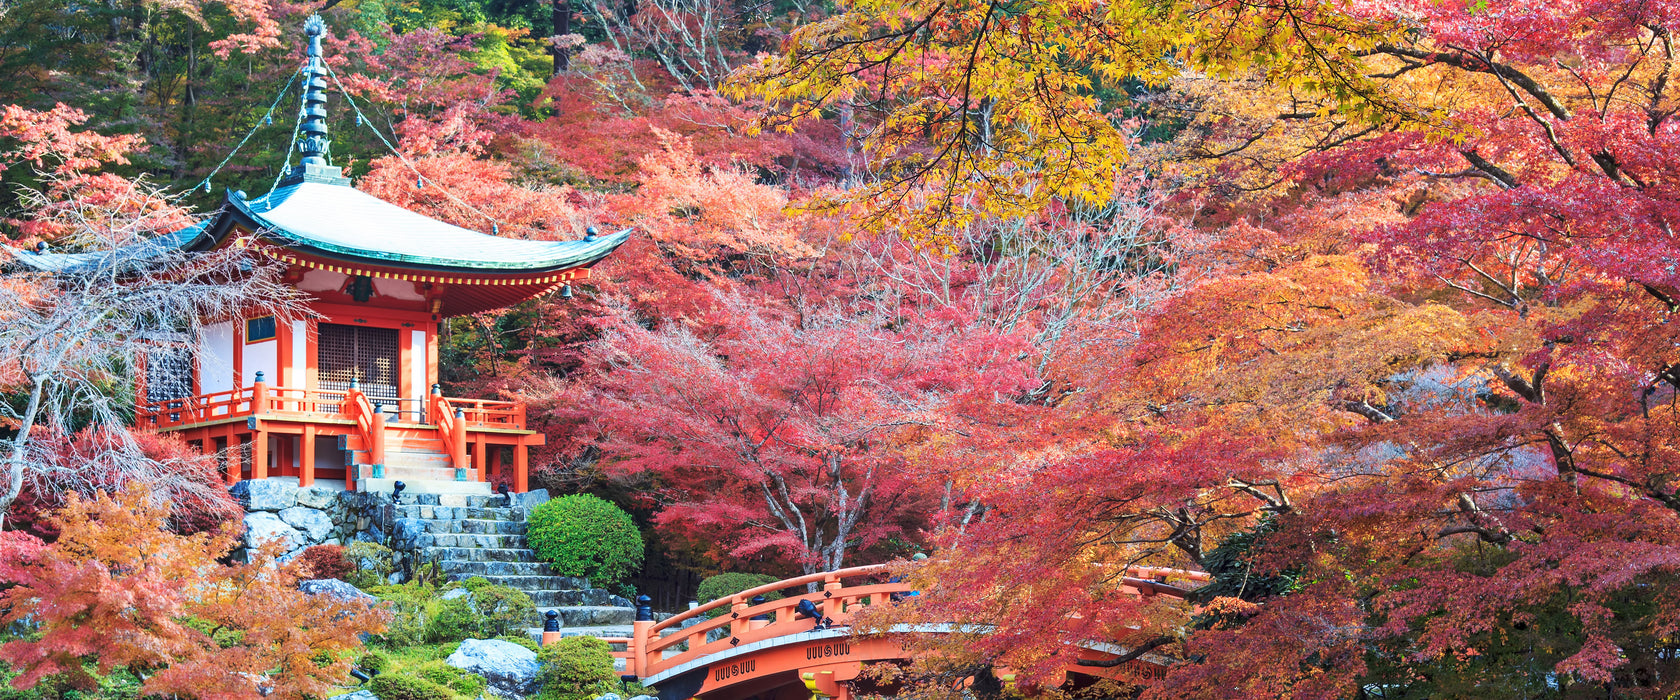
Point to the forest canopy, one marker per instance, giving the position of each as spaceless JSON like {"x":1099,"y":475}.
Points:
{"x":1367,"y":309}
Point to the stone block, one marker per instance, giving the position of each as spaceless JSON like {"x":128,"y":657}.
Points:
{"x":317,"y":497}
{"x":265,"y":494}
{"x":529,"y":499}
{"x":337,"y":589}
{"x":314,"y":524}
{"x":263,"y":526}
{"x":508,"y":668}
{"x":410,"y":533}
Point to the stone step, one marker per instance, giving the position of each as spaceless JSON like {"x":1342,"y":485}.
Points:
{"x":418,"y":462}
{"x":478,"y":541}
{"x":462,"y":500}
{"x":473,"y":526}
{"x":592,"y":615}
{"x":394,"y":442}
{"x":416,"y":487}
{"x":457,"y":567}
{"x":575,"y":597}
{"x":411,"y":476}
{"x":433,"y":512}
{"x":535,"y":584}
{"x":603,"y":631}
{"x":469,"y":554}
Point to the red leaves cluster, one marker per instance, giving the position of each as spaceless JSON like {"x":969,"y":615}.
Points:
{"x":792,"y":435}
{"x":117,"y":590}
{"x":86,"y":464}
{"x":325,"y":561}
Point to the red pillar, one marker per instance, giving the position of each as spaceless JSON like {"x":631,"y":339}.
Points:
{"x":478,"y":456}
{"x":306,"y":460}
{"x":521,"y":465}
{"x":259,"y":454}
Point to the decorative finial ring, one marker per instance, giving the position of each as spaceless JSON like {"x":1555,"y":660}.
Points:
{"x":314,"y":26}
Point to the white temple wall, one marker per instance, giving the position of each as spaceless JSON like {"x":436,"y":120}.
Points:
{"x":215,"y":362}
{"x":416,"y":359}
{"x":261,"y":357}
{"x":300,"y":354}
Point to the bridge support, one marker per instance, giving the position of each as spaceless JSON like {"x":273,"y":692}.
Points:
{"x":829,"y":681}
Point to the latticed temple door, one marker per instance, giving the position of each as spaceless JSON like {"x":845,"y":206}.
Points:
{"x":169,"y":373}
{"x":369,"y":355}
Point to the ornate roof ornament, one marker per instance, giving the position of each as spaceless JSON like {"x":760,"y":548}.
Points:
{"x":315,"y":144}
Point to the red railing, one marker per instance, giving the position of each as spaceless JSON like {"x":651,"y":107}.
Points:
{"x":370,"y":423}
{"x":491,"y":414}
{"x":261,"y":399}
{"x":452,"y":428}
{"x":661,"y":646}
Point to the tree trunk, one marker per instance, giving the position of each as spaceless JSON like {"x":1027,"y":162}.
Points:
{"x":562,"y":27}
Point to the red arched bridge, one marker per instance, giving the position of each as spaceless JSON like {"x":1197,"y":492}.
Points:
{"x":776,"y":650}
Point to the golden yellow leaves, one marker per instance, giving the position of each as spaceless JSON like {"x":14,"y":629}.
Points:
{"x":985,"y":108}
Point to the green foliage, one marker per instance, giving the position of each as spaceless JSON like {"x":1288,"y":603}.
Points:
{"x":371,"y":564}
{"x":582,"y":535}
{"x":398,"y":686}
{"x":502,"y":610}
{"x":441,"y":673}
{"x":450,"y":620}
{"x":119,"y":685}
{"x":420,"y":616}
{"x":376,"y":661}
{"x":576,"y":668}
{"x":408,"y":604}
{"x":728,"y":584}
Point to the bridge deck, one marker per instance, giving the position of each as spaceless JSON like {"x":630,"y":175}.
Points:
{"x":752,"y":645}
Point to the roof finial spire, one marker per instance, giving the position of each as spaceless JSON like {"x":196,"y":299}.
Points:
{"x":315,"y":144}
{"x":315,"y":141}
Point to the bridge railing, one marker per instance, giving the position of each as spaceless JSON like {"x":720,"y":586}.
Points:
{"x":661,"y":646}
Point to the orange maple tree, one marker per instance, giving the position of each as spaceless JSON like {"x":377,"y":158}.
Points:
{"x":117,"y":590}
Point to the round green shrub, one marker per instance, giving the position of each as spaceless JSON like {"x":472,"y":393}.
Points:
{"x":396,"y":686}
{"x":450,"y":620}
{"x":502,"y":610}
{"x":725,"y":585}
{"x":581,"y":535}
{"x":576,"y":668}
{"x":376,"y":661}
{"x":440,"y":672}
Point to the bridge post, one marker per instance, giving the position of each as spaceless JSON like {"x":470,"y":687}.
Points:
{"x":737,"y":623}
{"x":831,"y":597}
{"x":639,"y":638}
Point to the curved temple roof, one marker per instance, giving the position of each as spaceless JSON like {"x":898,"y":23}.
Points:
{"x":342,"y":222}
{"x":316,"y":213}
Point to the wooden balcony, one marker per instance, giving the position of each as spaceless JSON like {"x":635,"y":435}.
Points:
{"x":433,"y":439}
{"x":280,"y":403}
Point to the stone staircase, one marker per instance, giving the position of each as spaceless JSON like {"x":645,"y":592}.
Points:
{"x":474,"y":535}
{"x":412,"y":457}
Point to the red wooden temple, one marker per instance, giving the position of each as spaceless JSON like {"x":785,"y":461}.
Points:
{"x":350,"y":395}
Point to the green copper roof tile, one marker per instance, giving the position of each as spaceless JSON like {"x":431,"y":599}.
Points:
{"x":344,"y":222}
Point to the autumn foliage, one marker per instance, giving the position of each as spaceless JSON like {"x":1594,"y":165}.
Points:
{"x":1366,"y":309}
{"x":117,"y":590}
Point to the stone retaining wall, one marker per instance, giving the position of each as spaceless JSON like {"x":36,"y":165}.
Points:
{"x":304,"y":517}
